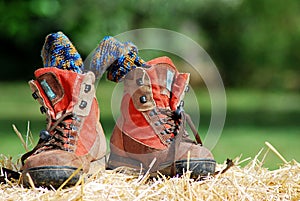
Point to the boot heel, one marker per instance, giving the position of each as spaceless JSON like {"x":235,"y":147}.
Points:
{"x":115,"y":161}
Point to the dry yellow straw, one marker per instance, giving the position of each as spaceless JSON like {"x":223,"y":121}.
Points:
{"x":251,"y":182}
{"x":30,"y":181}
{"x":72,"y":175}
{"x":146,"y":175}
{"x":276,"y":152}
{"x":82,"y":187}
{"x":238,"y":183}
{"x":188,"y":161}
{"x":21,"y":137}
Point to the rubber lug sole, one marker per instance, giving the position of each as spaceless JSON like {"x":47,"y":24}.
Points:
{"x":48,"y":176}
{"x":199,"y":167}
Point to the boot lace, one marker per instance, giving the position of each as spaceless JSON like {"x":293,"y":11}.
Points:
{"x":173,"y":121}
{"x":60,"y":136}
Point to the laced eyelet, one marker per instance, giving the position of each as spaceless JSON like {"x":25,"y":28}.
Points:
{"x":163,"y":132}
{"x":139,"y":82}
{"x":152,"y":113}
{"x":83,"y":104}
{"x":143,"y":99}
{"x":187,"y":89}
{"x":157,"y":123}
{"x":179,"y":110}
{"x":169,"y":140}
{"x":44,"y":135}
{"x":43,"y":109}
{"x":35,"y":96}
{"x":87,"y":88}
{"x":169,"y":121}
{"x":73,"y":127}
{"x":58,"y":136}
{"x":76,"y":118}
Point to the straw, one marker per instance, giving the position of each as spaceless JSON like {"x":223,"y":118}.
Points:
{"x":252,"y":181}
{"x":20,"y":137}
{"x":276,"y":152}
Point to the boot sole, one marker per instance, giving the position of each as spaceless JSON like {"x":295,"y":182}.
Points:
{"x":48,"y":176}
{"x":198,"y":167}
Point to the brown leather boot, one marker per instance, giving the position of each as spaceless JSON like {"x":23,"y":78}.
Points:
{"x":151,"y":128}
{"x":74,"y":137}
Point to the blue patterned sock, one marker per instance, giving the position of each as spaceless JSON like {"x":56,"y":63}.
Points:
{"x":123,"y":65}
{"x":58,"y":51}
{"x":115,"y":57}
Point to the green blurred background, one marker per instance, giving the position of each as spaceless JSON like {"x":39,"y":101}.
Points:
{"x":254,"y":44}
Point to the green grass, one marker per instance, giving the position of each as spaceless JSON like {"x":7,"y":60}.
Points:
{"x":253,"y":117}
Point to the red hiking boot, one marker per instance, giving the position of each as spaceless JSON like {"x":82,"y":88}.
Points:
{"x":151,"y":128}
{"x":74,"y":137}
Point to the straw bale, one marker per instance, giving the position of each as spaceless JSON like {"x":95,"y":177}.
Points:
{"x":241,"y":182}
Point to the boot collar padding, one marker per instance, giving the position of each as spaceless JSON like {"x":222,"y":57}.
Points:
{"x":51,"y":87}
{"x":50,"y":91}
{"x":42,"y":98}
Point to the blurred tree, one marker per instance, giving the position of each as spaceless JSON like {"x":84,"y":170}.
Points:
{"x":254,"y":43}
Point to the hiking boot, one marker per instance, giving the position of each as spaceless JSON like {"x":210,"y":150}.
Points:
{"x":74,"y":137}
{"x":150,"y":133}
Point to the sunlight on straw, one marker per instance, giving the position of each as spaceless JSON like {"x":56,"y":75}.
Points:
{"x":30,"y":181}
{"x":20,"y":137}
{"x":27,"y":133}
{"x":82,"y":187}
{"x":276,"y":152}
{"x":146,"y":175}
{"x":188,"y":161}
{"x":249,"y":182}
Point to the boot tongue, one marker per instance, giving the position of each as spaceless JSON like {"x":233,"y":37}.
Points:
{"x":161,"y":76}
{"x":179,"y":87}
{"x":168,"y":84}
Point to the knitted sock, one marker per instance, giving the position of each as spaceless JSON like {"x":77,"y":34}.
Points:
{"x":107,"y":52}
{"x":115,"y":57}
{"x":123,"y":65}
{"x":58,"y":51}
